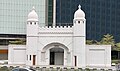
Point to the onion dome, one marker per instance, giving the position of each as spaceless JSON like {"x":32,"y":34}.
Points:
{"x":79,"y":13}
{"x":32,"y":16}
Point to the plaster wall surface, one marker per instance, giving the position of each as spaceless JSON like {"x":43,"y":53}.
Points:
{"x":98,"y":55}
{"x":16,"y":54}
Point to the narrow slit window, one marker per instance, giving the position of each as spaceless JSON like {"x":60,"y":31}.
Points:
{"x":75,"y":60}
{"x":30,"y":57}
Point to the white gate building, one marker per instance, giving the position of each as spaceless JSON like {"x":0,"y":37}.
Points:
{"x":59,"y":45}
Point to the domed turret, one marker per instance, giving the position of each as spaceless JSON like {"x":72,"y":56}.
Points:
{"x":32,"y":23}
{"x":79,"y":23}
{"x":32,"y":16}
{"x":79,"y":13}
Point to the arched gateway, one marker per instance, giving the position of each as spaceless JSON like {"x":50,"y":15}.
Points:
{"x":57,"y":53}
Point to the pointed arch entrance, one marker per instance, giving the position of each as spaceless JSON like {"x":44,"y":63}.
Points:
{"x":55,"y":54}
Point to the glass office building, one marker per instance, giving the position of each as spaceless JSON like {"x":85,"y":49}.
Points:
{"x":102,"y":16}
{"x":50,"y":13}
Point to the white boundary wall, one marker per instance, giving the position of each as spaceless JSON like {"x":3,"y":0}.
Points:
{"x":98,"y":55}
{"x":16,"y":54}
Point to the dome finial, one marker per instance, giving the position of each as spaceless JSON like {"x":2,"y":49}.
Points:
{"x":33,"y":8}
{"x":79,"y":7}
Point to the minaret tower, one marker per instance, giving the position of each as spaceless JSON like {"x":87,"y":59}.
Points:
{"x":79,"y":29}
{"x":32,"y":23}
{"x":32,"y":34}
{"x":79,"y":22}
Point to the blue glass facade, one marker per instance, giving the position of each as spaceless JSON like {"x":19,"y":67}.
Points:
{"x":102,"y":16}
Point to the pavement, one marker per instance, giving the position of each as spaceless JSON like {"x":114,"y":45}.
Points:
{"x":113,"y":68}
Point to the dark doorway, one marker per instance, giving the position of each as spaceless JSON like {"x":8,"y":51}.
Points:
{"x":34,"y":58}
{"x":52,"y":58}
{"x":56,"y":56}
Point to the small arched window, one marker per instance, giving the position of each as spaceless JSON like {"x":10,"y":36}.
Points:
{"x":35,"y":23}
{"x":79,"y":22}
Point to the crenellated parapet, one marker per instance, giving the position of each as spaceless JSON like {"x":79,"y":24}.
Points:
{"x":55,"y":31}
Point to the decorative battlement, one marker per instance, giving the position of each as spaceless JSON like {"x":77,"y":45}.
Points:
{"x":56,"y":30}
{"x":56,"y":27}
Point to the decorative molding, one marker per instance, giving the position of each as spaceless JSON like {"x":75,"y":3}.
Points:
{"x":19,"y":48}
{"x":55,"y":32}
